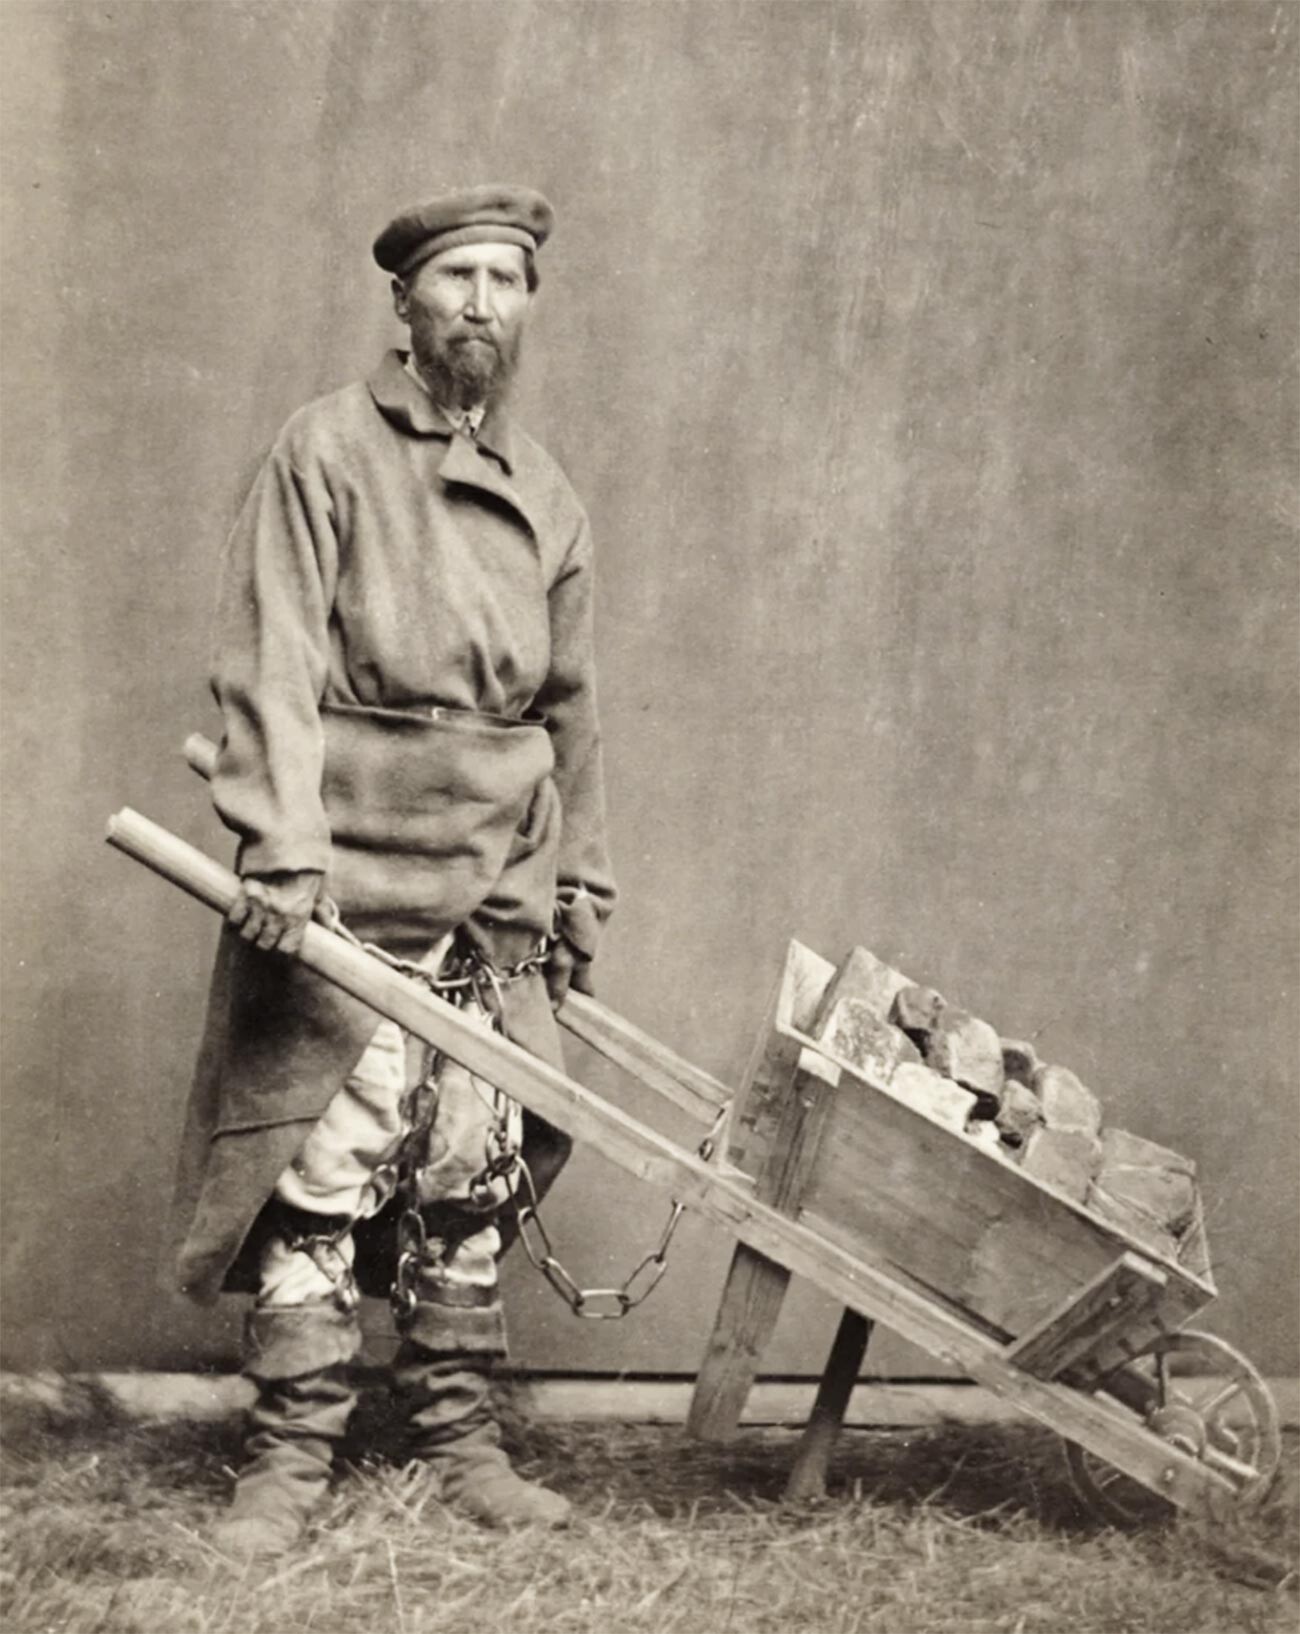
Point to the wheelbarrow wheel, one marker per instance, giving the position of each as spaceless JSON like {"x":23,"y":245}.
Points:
{"x":1201,"y":1396}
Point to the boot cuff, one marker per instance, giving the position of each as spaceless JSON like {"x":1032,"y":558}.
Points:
{"x":285,"y":1343}
{"x":449,"y":1329}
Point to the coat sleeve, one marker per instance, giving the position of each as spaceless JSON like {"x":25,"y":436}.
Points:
{"x":586,"y":891}
{"x":272,"y":653}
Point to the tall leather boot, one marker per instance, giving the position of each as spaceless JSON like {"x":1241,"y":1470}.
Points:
{"x":450,"y":1424}
{"x":298,"y":1358}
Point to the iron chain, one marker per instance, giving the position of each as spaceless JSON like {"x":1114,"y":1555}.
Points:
{"x":596,"y":1304}
{"x":471,"y":977}
{"x":322,"y":1248}
{"x":468,"y":974}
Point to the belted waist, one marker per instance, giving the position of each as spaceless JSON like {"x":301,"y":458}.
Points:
{"x":453,"y":715}
{"x":423,"y":807}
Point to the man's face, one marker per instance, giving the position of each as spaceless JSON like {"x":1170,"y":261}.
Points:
{"x":466,"y":309}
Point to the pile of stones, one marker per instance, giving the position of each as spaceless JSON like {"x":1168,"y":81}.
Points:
{"x":957,"y":1070}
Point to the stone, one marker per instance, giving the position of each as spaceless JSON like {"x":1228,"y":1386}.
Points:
{"x":862,"y":976}
{"x":937,"y":1097}
{"x":969,"y":1052}
{"x":1064,"y":1158}
{"x":1165,"y":1196}
{"x":1019,"y":1061}
{"x":985,"y":1134}
{"x":917,"y":1010}
{"x":855,"y":1034}
{"x":1067,"y":1104}
{"x":1135,"y":1223}
{"x":1020,"y":1113}
{"x":1118,"y":1146}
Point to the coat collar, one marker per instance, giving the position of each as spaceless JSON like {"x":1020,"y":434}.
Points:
{"x":487,"y":463}
{"x":399,"y":399}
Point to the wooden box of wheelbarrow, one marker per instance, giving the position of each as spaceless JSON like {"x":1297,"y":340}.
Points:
{"x":1063,"y":1292}
{"x":952,"y":1216}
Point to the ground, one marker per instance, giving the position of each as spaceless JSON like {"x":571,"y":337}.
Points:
{"x":972,"y":1531}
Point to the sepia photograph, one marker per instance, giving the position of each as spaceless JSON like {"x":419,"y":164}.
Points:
{"x":651,"y":798}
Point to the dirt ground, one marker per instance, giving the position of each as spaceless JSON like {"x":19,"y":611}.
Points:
{"x":973,"y":1531}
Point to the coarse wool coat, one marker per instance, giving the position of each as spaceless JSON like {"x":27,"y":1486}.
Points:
{"x":405,"y":672}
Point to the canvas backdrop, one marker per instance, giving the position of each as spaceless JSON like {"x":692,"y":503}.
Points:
{"x":928,"y":371}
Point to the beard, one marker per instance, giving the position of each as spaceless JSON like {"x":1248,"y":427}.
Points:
{"x":466,"y":370}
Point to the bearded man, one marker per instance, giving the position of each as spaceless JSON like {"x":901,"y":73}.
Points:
{"x":404,"y":670}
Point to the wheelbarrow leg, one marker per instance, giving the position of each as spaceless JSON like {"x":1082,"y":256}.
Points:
{"x":808,"y":1474}
{"x":751,"y":1303}
{"x":755,"y":1285}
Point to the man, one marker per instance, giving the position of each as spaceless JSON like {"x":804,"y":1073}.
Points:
{"x":404,"y":670}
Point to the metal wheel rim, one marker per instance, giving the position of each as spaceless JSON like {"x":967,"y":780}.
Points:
{"x":1244,"y":1444}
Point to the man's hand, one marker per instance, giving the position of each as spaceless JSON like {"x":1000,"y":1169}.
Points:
{"x":272,"y":910}
{"x":565,"y":968}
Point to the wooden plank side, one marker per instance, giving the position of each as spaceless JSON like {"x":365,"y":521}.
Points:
{"x":803,"y":987}
{"x":756,"y":1286}
{"x":793,"y":1160}
{"x":1176,"y":1307}
{"x":648,"y":1061}
{"x":858,"y":1280}
{"x":1083,"y":1323}
{"x":1194,"y":1249}
{"x":757,"y":1109}
{"x":756,"y":1116}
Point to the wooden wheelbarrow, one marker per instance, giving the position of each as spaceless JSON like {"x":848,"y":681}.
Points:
{"x":826,"y":1175}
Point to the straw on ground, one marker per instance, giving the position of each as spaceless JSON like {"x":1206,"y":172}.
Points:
{"x":949,"y":1531}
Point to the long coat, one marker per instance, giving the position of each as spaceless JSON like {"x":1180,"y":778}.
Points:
{"x":404,"y":668}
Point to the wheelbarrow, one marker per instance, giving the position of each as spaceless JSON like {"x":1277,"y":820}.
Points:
{"x":823,"y":1174}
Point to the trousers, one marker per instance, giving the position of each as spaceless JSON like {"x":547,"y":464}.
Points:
{"x":341,"y":1170}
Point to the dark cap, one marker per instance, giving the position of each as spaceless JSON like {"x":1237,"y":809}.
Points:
{"x":470,"y":215}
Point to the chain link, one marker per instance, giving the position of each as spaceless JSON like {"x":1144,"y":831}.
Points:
{"x":597,"y":1304}
{"x":464,"y":972}
{"x":323,"y":1250}
{"x":412,"y":1242}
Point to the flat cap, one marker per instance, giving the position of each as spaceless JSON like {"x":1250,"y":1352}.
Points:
{"x":470,"y":215}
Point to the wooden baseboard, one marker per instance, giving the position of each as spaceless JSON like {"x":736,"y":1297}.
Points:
{"x":874,"y":1404}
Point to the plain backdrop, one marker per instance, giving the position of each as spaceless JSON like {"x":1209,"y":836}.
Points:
{"x":929,"y":373}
